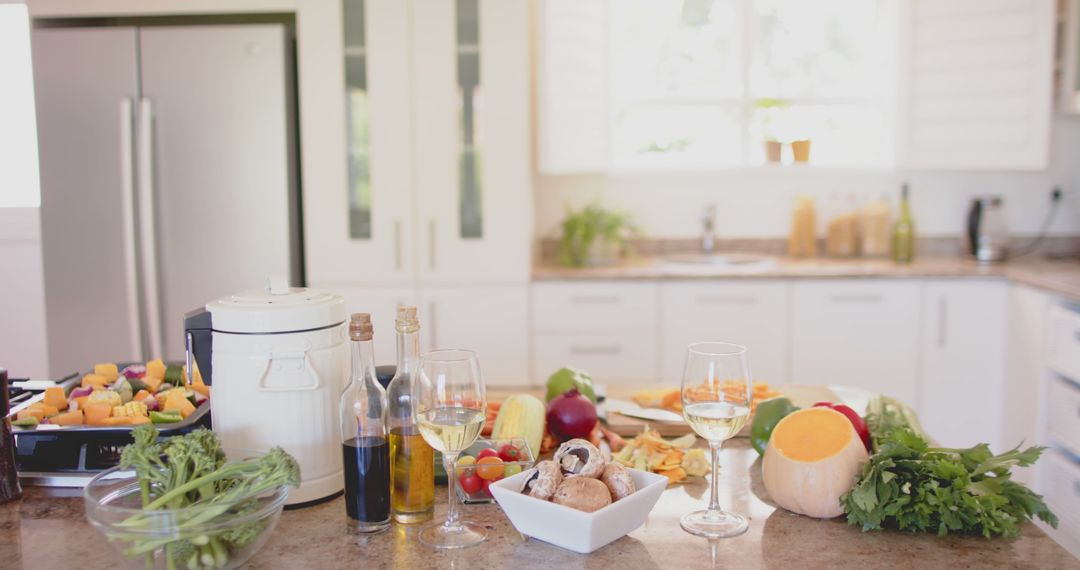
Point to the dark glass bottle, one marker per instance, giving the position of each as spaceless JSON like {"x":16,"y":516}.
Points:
{"x":365,"y":451}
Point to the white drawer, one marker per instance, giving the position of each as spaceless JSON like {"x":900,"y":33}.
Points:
{"x":1063,"y":342}
{"x":595,"y":307}
{"x":609,"y":359}
{"x":750,"y":313}
{"x":1063,"y":420}
{"x":1061,"y":486}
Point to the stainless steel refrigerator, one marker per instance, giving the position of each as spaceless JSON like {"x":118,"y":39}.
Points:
{"x":168,"y":179}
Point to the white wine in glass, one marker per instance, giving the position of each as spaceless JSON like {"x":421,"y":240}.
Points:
{"x":716,"y":392}
{"x":450,"y":410}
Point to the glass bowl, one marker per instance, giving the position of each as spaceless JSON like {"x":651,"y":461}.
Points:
{"x":220,"y":535}
{"x":510,"y":468}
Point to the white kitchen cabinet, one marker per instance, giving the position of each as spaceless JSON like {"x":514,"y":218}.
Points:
{"x":750,"y":313}
{"x":975,"y":84}
{"x":435,"y":186}
{"x":492,"y":320}
{"x":857,"y":332}
{"x":1026,"y":369}
{"x":471,"y":131}
{"x":963,"y":363}
{"x":608,"y":328}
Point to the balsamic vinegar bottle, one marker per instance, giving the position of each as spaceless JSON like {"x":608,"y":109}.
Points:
{"x":365,"y":451}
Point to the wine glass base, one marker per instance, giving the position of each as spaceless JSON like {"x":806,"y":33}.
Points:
{"x":460,"y":536}
{"x":714,"y":524}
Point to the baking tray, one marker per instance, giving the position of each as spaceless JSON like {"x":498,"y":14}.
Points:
{"x":87,"y":449}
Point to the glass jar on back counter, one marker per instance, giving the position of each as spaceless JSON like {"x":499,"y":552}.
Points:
{"x":876,"y":228}
{"x":364,"y":447}
{"x":842,"y":229}
{"x":412,"y":460}
{"x":802,"y":240}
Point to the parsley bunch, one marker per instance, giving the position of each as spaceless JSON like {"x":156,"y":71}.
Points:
{"x":909,"y":485}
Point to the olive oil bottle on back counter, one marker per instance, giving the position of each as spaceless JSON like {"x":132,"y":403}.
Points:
{"x":365,"y":451}
{"x":904,"y":231}
{"x":412,"y":460}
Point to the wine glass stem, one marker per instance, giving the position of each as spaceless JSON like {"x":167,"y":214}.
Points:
{"x":449,"y":460}
{"x":714,"y":499}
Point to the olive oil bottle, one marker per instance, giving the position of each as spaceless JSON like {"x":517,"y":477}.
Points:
{"x":412,"y":460}
{"x":904,"y":231}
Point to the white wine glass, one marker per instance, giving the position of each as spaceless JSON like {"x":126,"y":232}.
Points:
{"x":449,"y":406}
{"x":716,"y":391}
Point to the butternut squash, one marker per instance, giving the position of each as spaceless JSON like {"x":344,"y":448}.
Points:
{"x":107,"y":370}
{"x":96,"y":413}
{"x":74,"y":418}
{"x":54,"y":396}
{"x":94,"y":380}
{"x":812,"y":459}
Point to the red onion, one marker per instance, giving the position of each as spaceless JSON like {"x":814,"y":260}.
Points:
{"x":571,"y":415}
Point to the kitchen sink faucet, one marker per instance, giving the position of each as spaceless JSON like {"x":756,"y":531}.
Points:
{"x":708,"y":234}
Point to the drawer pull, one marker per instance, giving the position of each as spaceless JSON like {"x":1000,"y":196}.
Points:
{"x":1076,"y":487}
{"x":595,"y":299}
{"x":595,"y":350}
{"x":1076,"y":335}
{"x":857,"y":298}
{"x":726,"y":300}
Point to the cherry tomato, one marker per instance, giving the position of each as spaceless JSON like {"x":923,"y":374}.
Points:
{"x":489,"y":452}
{"x":466,"y":460}
{"x":511,"y":470}
{"x":470,"y":483}
{"x":485,"y":487}
{"x":509,"y":453}
{"x":490,"y":468}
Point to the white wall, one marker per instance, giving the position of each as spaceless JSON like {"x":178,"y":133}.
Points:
{"x":756,"y":203}
{"x":22,"y":290}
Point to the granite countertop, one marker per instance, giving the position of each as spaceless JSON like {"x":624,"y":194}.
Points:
{"x":46,"y":529}
{"x":1059,"y":277}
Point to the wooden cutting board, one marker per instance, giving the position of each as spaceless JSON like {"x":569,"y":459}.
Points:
{"x":626,"y":426}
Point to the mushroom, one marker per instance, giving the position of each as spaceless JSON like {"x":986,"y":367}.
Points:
{"x":544,"y":480}
{"x":618,"y":481}
{"x":583,"y":494}
{"x":579,"y":458}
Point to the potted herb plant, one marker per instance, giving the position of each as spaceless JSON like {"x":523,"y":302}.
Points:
{"x":593,"y":236}
{"x":770,"y":113}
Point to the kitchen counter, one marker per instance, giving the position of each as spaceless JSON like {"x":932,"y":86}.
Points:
{"x":1059,"y":277}
{"x":46,"y":529}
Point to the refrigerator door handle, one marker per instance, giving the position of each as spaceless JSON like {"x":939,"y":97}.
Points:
{"x":127,"y":184}
{"x":147,"y":230}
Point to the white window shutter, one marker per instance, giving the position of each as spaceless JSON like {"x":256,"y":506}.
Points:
{"x":572,"y":86}
{"x":976,"y":84}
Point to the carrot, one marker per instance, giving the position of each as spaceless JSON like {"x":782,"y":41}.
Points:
{"x":594,"y":437}
{"x":614,"y":440}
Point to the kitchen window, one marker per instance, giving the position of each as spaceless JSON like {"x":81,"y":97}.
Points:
{"x":704,"y":83}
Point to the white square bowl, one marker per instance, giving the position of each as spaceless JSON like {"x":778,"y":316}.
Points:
{"x":573,"y":529}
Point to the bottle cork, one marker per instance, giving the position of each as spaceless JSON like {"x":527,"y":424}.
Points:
{"x":406,"y":321}
{"x":360,"y":327}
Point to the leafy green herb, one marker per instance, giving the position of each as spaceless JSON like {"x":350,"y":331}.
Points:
{"x":909,"y":485}
{"x":192,"y":471}
{"x":580,"y":230}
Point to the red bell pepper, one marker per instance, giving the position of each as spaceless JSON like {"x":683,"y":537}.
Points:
{"x":856,"y":422}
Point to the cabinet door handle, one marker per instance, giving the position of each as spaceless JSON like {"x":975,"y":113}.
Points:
{"x":943,"y":322}
{"x":431,"y":245}
{"x":1076,"y":486}
{"x":1076,"y":335}
{"x":397,"y":244}
{"x":611,"y":350}
{"x":857,"y":298}
{"x":594,"y":299}
{"x":726,"y":300}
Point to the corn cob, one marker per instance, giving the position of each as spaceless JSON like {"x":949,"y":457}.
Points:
{"x":130,"y":409}
{"x":104,"y":396}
